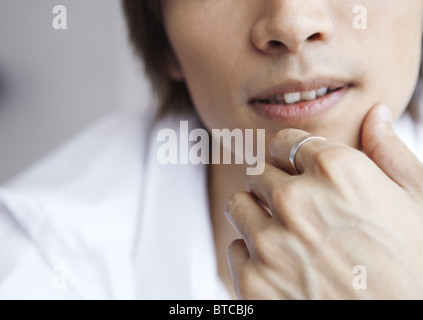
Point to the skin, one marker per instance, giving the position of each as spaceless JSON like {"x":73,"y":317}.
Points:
{"x":304,"y":244}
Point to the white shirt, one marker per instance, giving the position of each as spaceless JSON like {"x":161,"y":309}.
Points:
{"x":102,"y":219}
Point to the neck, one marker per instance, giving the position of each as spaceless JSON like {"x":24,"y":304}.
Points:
{"x":224,"y":180}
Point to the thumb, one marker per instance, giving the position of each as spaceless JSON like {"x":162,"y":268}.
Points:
{"x":383,"y":146}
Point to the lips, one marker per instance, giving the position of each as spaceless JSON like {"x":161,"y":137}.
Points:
{"x":300,"y":99}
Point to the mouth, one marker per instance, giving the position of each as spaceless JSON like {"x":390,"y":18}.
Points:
{"x":300,"y":100}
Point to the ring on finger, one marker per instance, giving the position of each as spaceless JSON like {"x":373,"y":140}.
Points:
{"x":297,"y":145}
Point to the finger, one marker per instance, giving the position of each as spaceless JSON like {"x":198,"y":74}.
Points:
{"x":263,"y":186}
{"x":248,"y":281}
{"x":247,"y":216}
{"x":282,"y":144}
{"x":251,"y":283}
{"x":237,"y":257}
{"x":274,"y":189}
{"x":384,"y":147}
{"x":291,"y":201}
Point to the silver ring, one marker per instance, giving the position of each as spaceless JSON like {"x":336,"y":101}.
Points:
{"x":297,"y":145}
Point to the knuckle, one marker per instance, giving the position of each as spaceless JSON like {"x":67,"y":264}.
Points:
{"x":334,"y":162}
{"x":280,"y":136}
{"x":285,"y":194}
{"x":234,"y":202}
{"x":330,"y":156}
{"x":286,"y":135}
{"x":237,"y":197}
{"x":265,"y":242}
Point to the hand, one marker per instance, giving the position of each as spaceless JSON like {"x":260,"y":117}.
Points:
{"x":302,"y":235}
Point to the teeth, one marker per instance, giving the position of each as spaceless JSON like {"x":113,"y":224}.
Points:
{"x":308,"y":95}
{"x":322,"y":92}
{"x":292,"y":97}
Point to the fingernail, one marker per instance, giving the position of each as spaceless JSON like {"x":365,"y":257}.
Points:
{"x":384,"y":113}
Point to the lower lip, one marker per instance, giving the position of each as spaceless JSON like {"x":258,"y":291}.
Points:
{"x":302,"y":110}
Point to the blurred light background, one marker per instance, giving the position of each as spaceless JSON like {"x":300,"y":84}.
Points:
{"x":54,"y":83}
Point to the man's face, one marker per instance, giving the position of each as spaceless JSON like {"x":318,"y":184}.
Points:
{"x":275,"y":64}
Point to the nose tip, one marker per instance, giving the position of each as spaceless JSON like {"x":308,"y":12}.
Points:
{"x":291,"y":26}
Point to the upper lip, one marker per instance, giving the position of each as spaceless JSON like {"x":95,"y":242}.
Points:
{"x":295,"y":85}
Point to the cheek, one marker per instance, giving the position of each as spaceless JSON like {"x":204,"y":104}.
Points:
{"x":394,"y":51}
{"x":209,"y":43}
{"x":209,"y":80}
{"x":401,"y":90}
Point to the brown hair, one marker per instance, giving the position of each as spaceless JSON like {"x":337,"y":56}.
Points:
{"x":147,"y":33}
